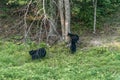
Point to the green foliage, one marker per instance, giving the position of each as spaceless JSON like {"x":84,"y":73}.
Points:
{"x":105,"y":7}
{"x":97,"y":63}
{"x":3,"y":16}
{"x":15,"y":3}
{"x":83,"y":11}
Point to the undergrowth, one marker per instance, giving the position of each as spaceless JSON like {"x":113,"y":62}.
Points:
{"x":96,"y":63}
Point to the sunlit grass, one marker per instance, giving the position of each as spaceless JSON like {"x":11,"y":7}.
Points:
{"x":95,"y":63}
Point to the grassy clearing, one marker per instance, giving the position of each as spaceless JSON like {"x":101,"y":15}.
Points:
{"x":96,"y":63}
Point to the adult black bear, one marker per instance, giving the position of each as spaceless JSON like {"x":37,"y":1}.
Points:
{"x":73,"y":40}
{"x":39,"y":53}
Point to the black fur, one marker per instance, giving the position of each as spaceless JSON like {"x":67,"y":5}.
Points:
{"x":74,"y":37}
{"x":39,"y":53}
{"x":73,"y":47}
{"x":73,"y":40}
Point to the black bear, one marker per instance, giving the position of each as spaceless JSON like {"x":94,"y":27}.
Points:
{"x":73,"y":40}
{"x":73,"y":47}
{"x":39,"y":53}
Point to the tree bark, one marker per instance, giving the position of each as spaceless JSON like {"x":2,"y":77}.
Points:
{"x":67,"y":18}
{"x":62,"y":19}
{"x":64,"y":8}
{"x":95,"y":8}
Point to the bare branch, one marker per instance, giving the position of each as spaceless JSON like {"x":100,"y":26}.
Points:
{"x":25,"y":22}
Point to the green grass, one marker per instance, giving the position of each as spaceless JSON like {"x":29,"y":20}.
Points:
{"x":96,"y":63}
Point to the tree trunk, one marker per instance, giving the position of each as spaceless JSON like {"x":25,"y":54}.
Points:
{"x":67,"y":18}
{"x":95,"y":8}
{"x":62,"y":19}
{"x":64,"y":9}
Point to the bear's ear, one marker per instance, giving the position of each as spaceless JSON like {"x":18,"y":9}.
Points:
{"x":31,"y":52}
{"x":69,"y":34}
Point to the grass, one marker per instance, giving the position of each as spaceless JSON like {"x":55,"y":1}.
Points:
{"x":96,"y":63}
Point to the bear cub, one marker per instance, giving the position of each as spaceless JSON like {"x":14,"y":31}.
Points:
{"x":73,"y":40}
{"x":38,"y":54}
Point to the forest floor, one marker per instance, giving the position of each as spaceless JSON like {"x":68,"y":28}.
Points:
{"x":108,"y":36}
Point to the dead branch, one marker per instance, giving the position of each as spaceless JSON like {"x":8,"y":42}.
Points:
{"x":25,"y":22}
